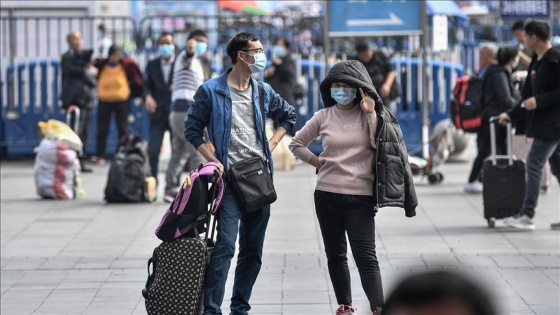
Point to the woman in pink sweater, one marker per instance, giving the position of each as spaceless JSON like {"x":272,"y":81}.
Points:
{"x":347,"y":194}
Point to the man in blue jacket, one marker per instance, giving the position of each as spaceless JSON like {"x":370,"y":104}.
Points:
{"x":229,"y":107}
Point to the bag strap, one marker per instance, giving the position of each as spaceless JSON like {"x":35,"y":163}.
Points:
{"x":261,"y":103}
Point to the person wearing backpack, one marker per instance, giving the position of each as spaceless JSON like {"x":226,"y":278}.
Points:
{"x":498,"y":95}
{"x":229,"y":106}
{"x":118,"y":80}
{"x":538,"y":116}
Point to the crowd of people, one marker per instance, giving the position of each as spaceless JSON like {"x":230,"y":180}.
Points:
{"x":364,"y":165}
{"x":521,"y":85}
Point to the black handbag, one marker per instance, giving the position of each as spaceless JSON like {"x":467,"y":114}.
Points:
{"x":251,"y":179}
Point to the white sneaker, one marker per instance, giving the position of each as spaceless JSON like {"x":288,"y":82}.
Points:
{"x":522,"y":222}
{"x":473,"y":188}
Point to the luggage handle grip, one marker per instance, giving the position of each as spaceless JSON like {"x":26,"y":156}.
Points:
{"x":493,"y":120}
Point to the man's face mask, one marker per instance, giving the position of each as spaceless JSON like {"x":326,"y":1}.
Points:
{"x":166,"y":50}
{"x":259,"y":64}
{"x":200,"y":48}
{"x":343,"y":95}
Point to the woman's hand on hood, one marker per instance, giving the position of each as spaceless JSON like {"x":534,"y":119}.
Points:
{"x":367,"y":103}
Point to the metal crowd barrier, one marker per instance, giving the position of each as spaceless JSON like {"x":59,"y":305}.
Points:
{"x":30,"y":93}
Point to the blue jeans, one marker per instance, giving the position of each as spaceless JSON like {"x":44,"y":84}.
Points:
{"x":541,"y":151}
{"x":249,"y":260}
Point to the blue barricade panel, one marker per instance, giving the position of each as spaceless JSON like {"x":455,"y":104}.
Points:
{"x":31,"y":93}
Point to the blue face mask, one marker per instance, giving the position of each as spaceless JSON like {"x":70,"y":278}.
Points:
{"x":166,"y":50}
{"x":278,"y":51}
{"x":260,"y":62}
{"x":343,"y":95}
{"x":200,"y":48}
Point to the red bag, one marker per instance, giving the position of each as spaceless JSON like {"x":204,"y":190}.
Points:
{"x":466,"y":107}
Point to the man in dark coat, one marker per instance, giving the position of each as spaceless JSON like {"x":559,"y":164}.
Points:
{"x":78,"y":84}
{"x":281,"y":75}
{"x":380,"y":71}
{"x":157,"y":91}
{"x":538,"y":116}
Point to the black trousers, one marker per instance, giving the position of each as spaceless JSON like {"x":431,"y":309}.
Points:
{"x":104,"y":112}
{"x":83,"y":125}
{"x":483,"y":146}
{"x":83,"y":130}
{"x":340,"y":215}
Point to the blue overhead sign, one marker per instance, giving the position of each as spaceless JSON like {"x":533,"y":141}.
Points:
{"x":371,"y":18}
{"x":524,"y":9}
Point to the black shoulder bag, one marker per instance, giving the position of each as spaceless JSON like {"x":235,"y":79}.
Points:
{"x":251,"y":179}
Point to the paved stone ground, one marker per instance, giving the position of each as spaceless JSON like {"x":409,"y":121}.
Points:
{"x":87,"y":257}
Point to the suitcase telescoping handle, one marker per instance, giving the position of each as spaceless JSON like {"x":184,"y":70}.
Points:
{"x":494,"y":157}
{"x":210,"y":230}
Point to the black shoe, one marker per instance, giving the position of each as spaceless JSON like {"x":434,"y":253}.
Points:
{"x":86,"y":170}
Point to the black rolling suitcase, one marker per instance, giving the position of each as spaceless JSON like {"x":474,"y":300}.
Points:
{"x":176,"y":283}
{"x":504,"y":181}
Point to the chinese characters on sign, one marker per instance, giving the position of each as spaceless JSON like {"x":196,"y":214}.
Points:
{"x":524,"y":8}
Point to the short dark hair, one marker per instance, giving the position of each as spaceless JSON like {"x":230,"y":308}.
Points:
{"x":101,"y":27}
{"x":539,"y":29}
{"x":163,"y":34}
{"x":432,"y":287}
{"x":517,"y":26}
{"x":239,"y":42}
{"x":113,"y":49}
{"x":284,"y":41}
{"x":197,"y":33}
{"x":362,"y":46}
{"x":506,"y":54}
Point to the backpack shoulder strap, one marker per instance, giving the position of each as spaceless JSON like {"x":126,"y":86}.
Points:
{"x":261,"y":104}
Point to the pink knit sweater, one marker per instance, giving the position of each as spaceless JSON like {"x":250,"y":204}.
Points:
{"x":348,"y":138}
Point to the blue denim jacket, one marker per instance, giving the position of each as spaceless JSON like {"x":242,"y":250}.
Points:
{"x":212,"y":108}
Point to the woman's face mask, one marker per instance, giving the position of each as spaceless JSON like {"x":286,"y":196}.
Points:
{"x":259,"y":64}
{"x":166,"y":50}
{"x":278,"y":51}
{"x":200,"y":48}
{"x":343,"y":95}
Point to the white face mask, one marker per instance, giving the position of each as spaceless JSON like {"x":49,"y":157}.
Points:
{"x":259,"y":64}
{"x":343,"y":95}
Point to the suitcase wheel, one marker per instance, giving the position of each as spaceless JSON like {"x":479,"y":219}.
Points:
{"x":435,"y":178}
{"x":491,"y":222}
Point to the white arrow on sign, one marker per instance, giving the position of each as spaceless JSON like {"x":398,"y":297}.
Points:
{"x":392,"y":20}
